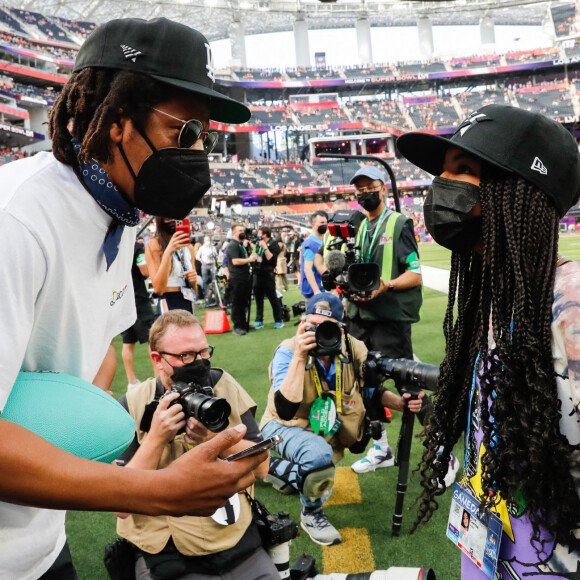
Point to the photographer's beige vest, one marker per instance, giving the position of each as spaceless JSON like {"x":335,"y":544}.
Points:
{"x":193,"y":536}
{"x":353,"y":410}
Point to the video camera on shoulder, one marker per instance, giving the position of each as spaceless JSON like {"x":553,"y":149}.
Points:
{"x":347,"y":270}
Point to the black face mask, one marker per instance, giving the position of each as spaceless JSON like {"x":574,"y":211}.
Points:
{"x":447,"y":218}
{"x":369,"y":200}
{"x":171,"y":180}
{"x":167,"y":227}
{"x":322,"y":229}
{"x":195,"y":372}
{"x":242,"y":237}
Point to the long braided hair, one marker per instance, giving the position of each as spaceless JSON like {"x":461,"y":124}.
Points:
{"x":89,"y":104}
{"x":503,"y":299}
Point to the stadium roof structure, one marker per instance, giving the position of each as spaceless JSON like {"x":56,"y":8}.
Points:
{"x":214,"y":17}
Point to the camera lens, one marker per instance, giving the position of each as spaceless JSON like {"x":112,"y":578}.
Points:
{"x":328,"y":335}
{"x":213,"y":412}
{"x":364,"y":277}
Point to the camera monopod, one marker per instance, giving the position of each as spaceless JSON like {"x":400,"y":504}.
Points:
{"x":415,"y":376}
{"x":375,"y":160}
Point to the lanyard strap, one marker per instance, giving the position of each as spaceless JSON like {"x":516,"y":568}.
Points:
{"x":243,"y":249}
{"x":363,"y":235}
{"x":338,"y":384}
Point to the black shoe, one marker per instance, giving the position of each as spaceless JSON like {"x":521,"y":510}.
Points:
{"x":239,"y":331}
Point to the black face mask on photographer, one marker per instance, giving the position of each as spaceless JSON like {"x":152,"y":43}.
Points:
{"x":195,"y":372}
{"x":369,"y":200}
{"x":447,"y":218}
{"x":322,"y":229}
{"x":171,"y":180}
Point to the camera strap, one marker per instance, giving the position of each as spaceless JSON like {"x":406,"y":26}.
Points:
{"x":363,"y":234}
{"x":318,"y":383}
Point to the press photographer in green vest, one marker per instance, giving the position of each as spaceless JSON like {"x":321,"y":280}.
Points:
{"x":383,"y":320}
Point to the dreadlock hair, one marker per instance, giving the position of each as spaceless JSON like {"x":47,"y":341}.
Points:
{"x":91,"y":102}
{"x":502,"y":331}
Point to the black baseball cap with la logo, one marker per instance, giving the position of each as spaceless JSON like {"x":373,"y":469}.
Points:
{"x":165,"y":50}
{"x":530,"y":145}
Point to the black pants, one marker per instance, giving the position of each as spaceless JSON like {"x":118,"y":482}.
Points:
{"x":240,"y":297}
{"x":63,"y":568}
{"x":265,"y":285}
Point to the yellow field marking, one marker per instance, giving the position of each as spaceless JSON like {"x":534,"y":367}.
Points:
{"x":353,"y":556}
{"x":346,"y":488}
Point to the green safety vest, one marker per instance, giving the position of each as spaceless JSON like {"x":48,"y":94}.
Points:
{"x":403,"y":306}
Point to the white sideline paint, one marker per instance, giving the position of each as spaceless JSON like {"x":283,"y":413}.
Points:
{"x":435,"y":278}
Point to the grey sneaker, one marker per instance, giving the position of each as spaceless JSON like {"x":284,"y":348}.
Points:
{"x":316,"y":525}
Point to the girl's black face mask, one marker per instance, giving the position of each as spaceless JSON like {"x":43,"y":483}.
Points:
{"x":168,"y":227}
{"x":447,"y":218}
{"x":171,"y":180}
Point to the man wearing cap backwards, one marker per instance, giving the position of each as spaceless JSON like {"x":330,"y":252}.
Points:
{"x":138,"y":106}
{"x":509,"y":379}
{"x":316,"y":404}
{"x":383,"y":321}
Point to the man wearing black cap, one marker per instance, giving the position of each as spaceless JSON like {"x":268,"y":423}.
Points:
{"x":138,"y":106}
{"x":316,"y":404}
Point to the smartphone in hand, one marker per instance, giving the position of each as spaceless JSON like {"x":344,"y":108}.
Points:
{"x":182,"y":226}
{"x":255,"y":449}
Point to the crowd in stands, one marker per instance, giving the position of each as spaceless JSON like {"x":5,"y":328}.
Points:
{"x":21,"y":42}
{"x":13,"y":89}
{"x":44,"y":24}
{"x":437,"y":114}
{"x":7,"y":155}
{"x":314,"y":116}
{"x":313,"y":73}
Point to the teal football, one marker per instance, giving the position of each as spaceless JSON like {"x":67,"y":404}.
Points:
{"x":70,"y":413}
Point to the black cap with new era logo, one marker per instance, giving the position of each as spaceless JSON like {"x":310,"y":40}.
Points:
{"x":165,"y":50}
{"x":538,"y":149}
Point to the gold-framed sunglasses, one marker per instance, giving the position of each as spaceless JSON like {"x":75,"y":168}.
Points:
{"x":191,"y":132}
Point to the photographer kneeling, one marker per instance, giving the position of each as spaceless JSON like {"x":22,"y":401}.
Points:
{"x":316,"y":404}
{"x":227,"y":544}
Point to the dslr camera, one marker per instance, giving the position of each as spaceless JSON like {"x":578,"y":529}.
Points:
{"x":347,"y":270}
{"x":197,"y":402}
{"x":328,"y":338}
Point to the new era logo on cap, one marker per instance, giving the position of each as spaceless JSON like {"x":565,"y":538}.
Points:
{"x":538,"y":166}
{"x":130,"y":53}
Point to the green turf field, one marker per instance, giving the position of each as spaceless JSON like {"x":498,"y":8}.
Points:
{"x":247,"y":358}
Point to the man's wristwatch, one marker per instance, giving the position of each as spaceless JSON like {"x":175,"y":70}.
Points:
{"x":390,"y":286}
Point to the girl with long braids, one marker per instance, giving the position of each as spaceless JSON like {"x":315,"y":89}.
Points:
{"x":510,"y":380}
{"x":171,"y":259}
